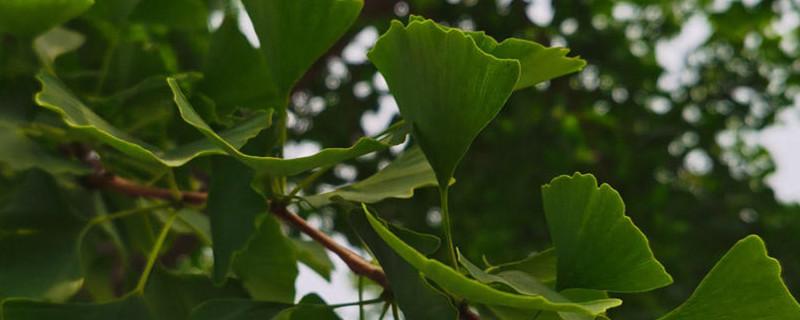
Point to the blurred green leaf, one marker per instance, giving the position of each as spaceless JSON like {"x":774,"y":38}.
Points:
{"x":310,"y":307}
{"x":38,"y":241}
{"x":295,"y":33}
{"x":182,"y":14}
{"x":459,"y":285}
{"x":130,"y":308}
{"x":397,"y":180}
{"x":279,"y":166}
{"x":173,"y":296}
{"x":21,"y":152}
{"x":30,"y":17}
{"x":414,"y":295}
{"x":267,"y":266}
{"x":598,"y":247}
{"x":56,"y":97}
{"x":54,"y":43}
{"x":745,"y":284}
{"x":445,"y":87}
{"x":315,"y":256}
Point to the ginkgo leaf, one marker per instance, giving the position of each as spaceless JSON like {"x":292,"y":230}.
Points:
{"x":397,"y":180}
{"x":279,"y":166}
{"x":56,"y":97}
{"x":598,"y":247}
{"x":457,"y":284}
{"x":446,"y":87}
{"x":745,"y":284}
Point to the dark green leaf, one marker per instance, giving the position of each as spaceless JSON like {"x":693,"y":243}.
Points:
{"x":598,"y":247}
{"x":445,"y":86}
{"x":459,"y":285}
{"x":414,"y":295}
{"x":295,"y":33}
{"x":130,"y":308}
{"x":268,"y":265}
{"x":311,"y":307}
{"x":278,"y":166}
{"x":237,"y":309}
{"x":30,"y":17}
{"x":397,"y":180}
{"x":20,"y":152}
{"x":55,"y":96}
{"x":173,"y":296}
{"x":745,"y":284}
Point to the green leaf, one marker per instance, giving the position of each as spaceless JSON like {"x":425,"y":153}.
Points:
{"x":237,"y":309}
{"x":414,"y":295}
{"x":459,"y":285}
{"x":745,"y":284}
{"x":315,"y":256}
{"x":268,"y":265}
{"x":598,"y":247}
{"x":311,"y":307}
{"x":184,"y":14}
{"x":233,"y":206}
{"x":397,"y":180}
{"x":278,"y":166}
{"x":38,"y":241}
{"x":54,"y":43}
{"x":56,"y":97}
{"x":30,"y":17}
{"x":236,"y":74}
{"x":174,"y":296}
{"x":21,"y":153}
{"x":541,"y":265}
{"x":295,"y":33}
{"x":445,"y":86}
{"x":538,"y":63}
{"x":130,"y":308}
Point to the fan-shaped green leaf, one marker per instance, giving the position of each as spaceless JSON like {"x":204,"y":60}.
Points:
{"x":55,"y":96}
{"x":445,"y":86}
{"x":278,"y":166}
{"x":397,"y":180}
{"x":745,"y":284}
{"x":598,"y":247}
{"x":30,"y":17}
{"x":295,"y":33}
{"x":459,"y":285}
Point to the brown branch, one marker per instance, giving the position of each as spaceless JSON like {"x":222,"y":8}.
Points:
{"x":103,"y":180}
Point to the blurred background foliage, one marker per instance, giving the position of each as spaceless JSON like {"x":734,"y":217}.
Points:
{"x":666,"y":112}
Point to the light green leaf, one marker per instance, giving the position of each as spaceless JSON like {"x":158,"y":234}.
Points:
{"x":459,"y":285}
{"x":538,"y":63}
{"x":237,"y":309}
{"x":130,"y":308}
{"x":268,"y":265}
{"x":315,"y":256}
{"x":38,"y":240}
{"x":56,"y":97}
{"x":445,"y":86}
{"x":233,"y":206}
{"x":21,"y":152}
{"x":30,"y":17}
{"x":278,"y":166}
{"x":54,"y":43}
{"x":414,"y":295}
{"x":541,"y":265}
{"x":173,"y":296}
{"x":295,"y":33}
{"x":598,"y":247}
{"x":397,"y":180}
{"x":745,"y":284}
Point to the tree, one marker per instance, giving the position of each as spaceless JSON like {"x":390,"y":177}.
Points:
{"x":152,"y":140}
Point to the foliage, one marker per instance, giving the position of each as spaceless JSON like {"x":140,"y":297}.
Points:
{"x":144,"y":174}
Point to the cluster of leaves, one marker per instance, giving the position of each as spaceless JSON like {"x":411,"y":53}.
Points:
{"x":226,"y":136}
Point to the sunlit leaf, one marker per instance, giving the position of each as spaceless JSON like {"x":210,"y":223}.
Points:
{"x":279,"y":166}
{"x":414,"y":295}
{"x":30,"y":17}
{"x":295,"y":33}
{"x":38,"y":241}
{"x":472,"y":290}
{"x":56,"y":97}
{"x":397,"y":180}
{"x":445,"y":86}
{"x":745,"y":284}
{"x":598,"y":247}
